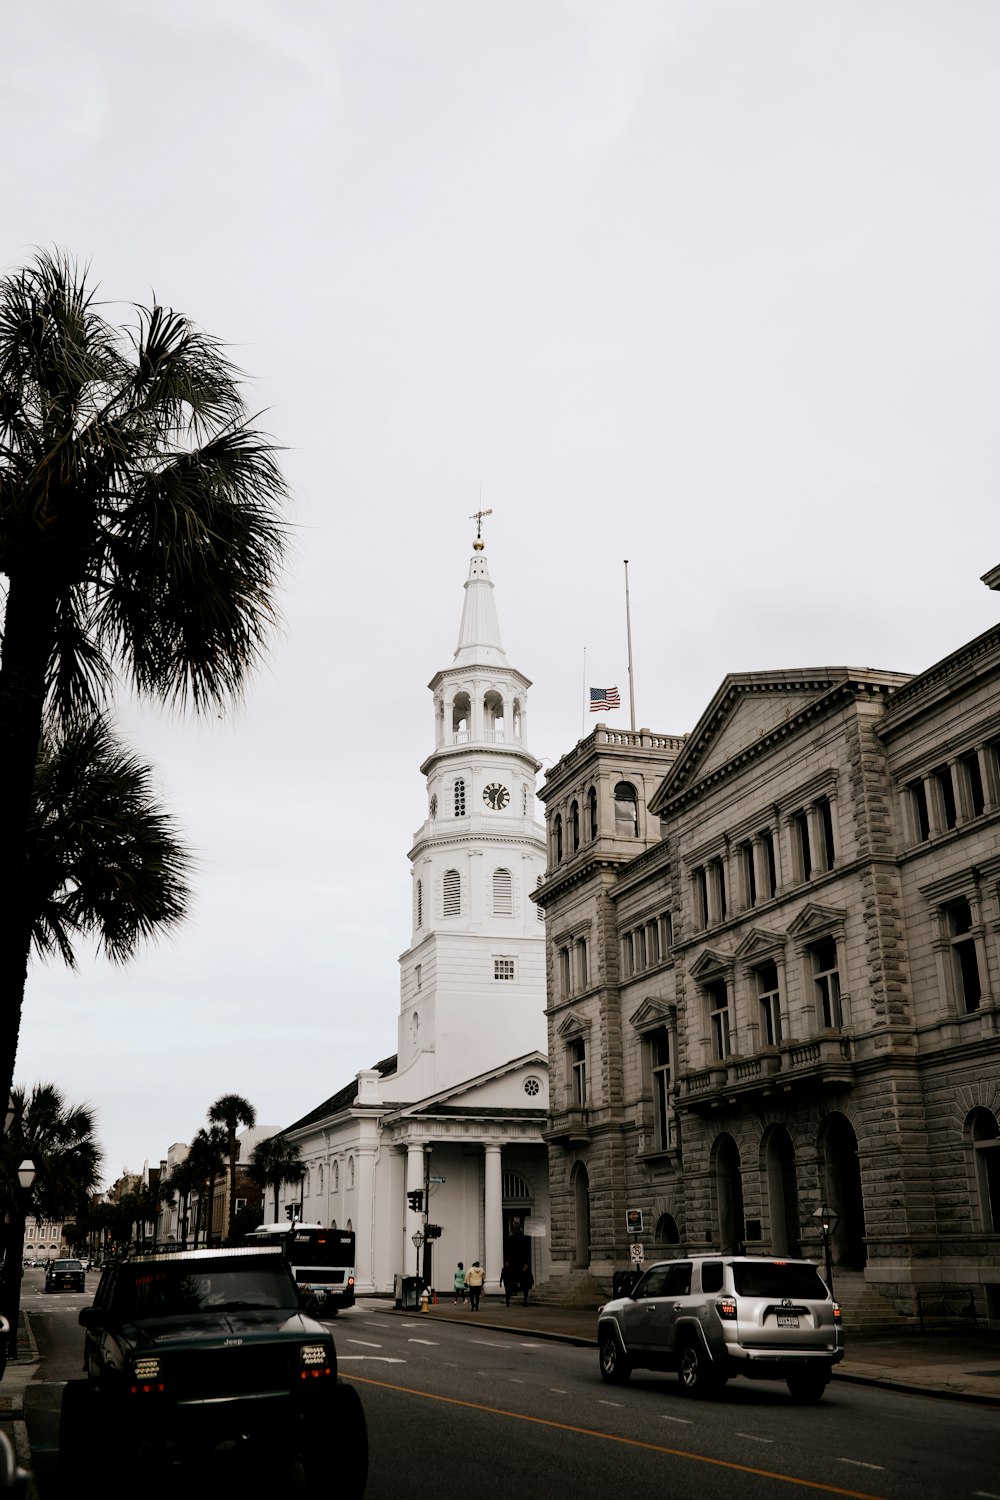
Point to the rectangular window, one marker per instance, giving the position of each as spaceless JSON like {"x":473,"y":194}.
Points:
{"x":659,"y":1059}
{"x":652,"y":943}
{"x":503,"y":968}
{"x":452,"y":893}
{"x":918,"y":810}
{"x":666,"y":934}
{"x":578,"y":1070}
{"x":583,"y":974}
{"x":717,"y":876}
{"x":628,"y":956}
{"x":718,"y":1019}
{"x":825,"y":809}
{"x":968,"y":987}
{"x":749,"y":874}
{"x":639,"y":938}
{"x":946,"y":793}
{"x":769,"y":1004}
{"x":565,"y":977}
{"x":700,"y":897}
{"x":770,"y":862}
{"x":800,"y":842}
{"x":418,"y":974}
{"x":826,"y":977}
{"x":972,"y":781}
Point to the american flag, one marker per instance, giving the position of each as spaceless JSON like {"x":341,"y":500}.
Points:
{"x":604,"y":698}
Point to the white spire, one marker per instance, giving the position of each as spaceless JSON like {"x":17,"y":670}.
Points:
{"x":479,"y":642}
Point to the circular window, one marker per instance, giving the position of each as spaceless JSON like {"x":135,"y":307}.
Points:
{"x":532,"y":1087}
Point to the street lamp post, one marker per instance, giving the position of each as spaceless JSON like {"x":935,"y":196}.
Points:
{"x":827,"y":1220}
{"x":25,"y":1178}
{"x":417,"y":1240}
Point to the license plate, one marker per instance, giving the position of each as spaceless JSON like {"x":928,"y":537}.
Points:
{"x":785,"y":1320}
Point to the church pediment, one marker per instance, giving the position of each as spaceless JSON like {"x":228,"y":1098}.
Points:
{"x":515,"y":1087}
{"x":711,"y":964}
{"x":747,"y":708}
{"x":814,"y":920}
{"x":759,"y":943}
{"x":652,"y":1014}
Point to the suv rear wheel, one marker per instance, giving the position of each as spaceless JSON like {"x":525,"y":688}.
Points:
{"x":808,"y":1386}
{"x":696,"y":1373}
{"x":615,"y":1368}
{"x":346,"y":1418}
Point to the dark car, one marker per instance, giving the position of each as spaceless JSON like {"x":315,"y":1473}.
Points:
{"x":65,"y":1276}
{"x":197,"y":1348}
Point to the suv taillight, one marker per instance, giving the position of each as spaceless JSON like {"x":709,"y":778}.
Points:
{"x":726,"y":1308}
{"x":837,"y":1315}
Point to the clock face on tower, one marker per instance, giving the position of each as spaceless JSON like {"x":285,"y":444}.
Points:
{"x":496,"y":796}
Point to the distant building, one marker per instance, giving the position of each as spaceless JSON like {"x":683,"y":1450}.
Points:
{"x":774,"y":982}
{"x":460,"y":1107}
{"x":43,"y":1240}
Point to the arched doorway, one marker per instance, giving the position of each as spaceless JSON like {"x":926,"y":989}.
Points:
{"x":517,"y":1202}
{"x":729,"y":1194}
{"x":842,"y":1191}
{"x":581,"y":1204}
{"x":667,"y":1235}
{"x":782,"y":1191}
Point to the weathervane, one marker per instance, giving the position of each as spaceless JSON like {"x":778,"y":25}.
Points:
{"x":478,"y":516}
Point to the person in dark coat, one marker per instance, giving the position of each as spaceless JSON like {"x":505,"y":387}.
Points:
{"x":525,"y":1282}
{"x":509,"y":1280}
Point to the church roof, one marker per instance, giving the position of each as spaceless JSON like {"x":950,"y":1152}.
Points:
{"x":343,"y":1098}
{"x":479,"y":643}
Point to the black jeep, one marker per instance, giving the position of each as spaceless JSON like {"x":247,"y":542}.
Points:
{"x":192,"y":1349}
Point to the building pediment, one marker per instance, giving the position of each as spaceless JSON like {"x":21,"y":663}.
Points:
{"x":814,"y":920}
{"x":652,"y":1014}
{"x":759,"y":944}
{"x":711,"y":964}
{"x":573,"y":1026}
{"x":518,"y":1086}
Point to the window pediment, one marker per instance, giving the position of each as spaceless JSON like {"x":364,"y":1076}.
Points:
{"x":574,"y":1028}
{"x":711,"y":964}
{"x":759,"y":943}
{"x":652,"y":1014}
{"x":815,"y":920}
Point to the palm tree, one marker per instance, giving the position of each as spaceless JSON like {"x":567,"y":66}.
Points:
{"x":181,"y":1182}
{"x":139,"y":536}
{"x":273,"y":1162}
{"x":102,"y":857}
{"x":59,"y":1139}
{"x":230,"y":1112}
{"x":207,"y":1156}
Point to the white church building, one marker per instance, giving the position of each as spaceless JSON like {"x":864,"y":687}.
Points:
{"x":458,"y":1112}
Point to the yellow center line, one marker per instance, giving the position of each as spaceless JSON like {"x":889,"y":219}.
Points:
{"x":610,"y":1437}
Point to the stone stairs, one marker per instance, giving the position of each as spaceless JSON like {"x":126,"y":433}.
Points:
{"x":864,"y":1310}
{"x":574,"y":1289}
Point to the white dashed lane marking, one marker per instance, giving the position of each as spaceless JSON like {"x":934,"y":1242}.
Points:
{"x":364,"y":1344}
{"x":857,"y":1463}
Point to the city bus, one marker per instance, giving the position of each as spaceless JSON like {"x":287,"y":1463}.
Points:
{"x":322,"y":1262}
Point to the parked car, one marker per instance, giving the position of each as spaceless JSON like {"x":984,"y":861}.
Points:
{"x":190,"y":1349}
{"x":65,"y":1276}
{"x":715,"y":1316}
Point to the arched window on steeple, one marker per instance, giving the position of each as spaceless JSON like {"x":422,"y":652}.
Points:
{"x":503,"y":894}
{"x":574,"y":825}
{"x":515,"y":717}
{"x":557,"y":837}
{"x":460,"y":798}
{"x":451,"y":904}
{"x":493,"y":720}
{"x":626,"y":811}
{"x":592,"y":809}
{"x":461,"y":713}
{"x":418,"y":904}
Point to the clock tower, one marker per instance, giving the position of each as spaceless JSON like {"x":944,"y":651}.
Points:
{"x":472,"y":982}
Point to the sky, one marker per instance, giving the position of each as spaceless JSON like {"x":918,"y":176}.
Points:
{"x":710,"y":285}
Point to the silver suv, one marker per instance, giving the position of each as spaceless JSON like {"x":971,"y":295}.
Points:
{"x":714,"y":1316}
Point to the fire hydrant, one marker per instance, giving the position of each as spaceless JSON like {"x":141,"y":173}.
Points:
{"x":424,"y":1300}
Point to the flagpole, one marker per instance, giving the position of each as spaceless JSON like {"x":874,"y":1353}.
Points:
{"x":628,"y":627}
{"x":583,"y":700}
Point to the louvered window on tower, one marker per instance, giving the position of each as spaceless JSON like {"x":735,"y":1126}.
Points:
{"x":418,"y":902}
{"x":452,"y":893}
{"x":503,"y":894}
{"x":460,"y":799}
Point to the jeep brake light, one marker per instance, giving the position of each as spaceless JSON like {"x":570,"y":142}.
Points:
{"x":726,"y":1308}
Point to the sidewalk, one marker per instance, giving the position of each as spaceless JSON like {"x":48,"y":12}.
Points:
{"x":16,"y":1376}
{"x":960,"y":1366}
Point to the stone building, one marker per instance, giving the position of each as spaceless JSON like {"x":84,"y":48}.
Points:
{"x":458,"y":1111}
{"x":774,"y":982}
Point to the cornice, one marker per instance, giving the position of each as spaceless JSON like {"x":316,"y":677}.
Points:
{"x":483,"y":751}
{"x":928,"y":689}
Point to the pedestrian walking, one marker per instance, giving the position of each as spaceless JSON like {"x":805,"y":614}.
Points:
{"x":508,"y":1280}
{"x":459,"y":1283}
{"x":474,"y":1278}
{"x":527,"y":1281}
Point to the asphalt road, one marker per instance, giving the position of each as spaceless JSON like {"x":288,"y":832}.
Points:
{"x":460,"y":1412}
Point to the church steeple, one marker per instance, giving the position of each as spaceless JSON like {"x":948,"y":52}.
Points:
{"x":479,"y":643}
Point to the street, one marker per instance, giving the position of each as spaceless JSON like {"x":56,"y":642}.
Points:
{"x":462,"y":1410}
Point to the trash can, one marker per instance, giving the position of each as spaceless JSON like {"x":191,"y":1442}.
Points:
{"x":411,"y":1289}
{"x":622,"y":1282}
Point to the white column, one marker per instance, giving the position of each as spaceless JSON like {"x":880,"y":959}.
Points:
{"x":493,"y":1219}
{"x":412,"y":1222}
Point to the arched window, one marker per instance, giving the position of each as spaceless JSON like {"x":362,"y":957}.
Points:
{"x":350,"y":1171}
{"x":592,"y":809}
{"x":626,"y":811}
{"x":493,"y":720}
{"x":667,"y":1232}
{"x":460,"y":798}
{"x":557,"y":836}
{"x":503,"y":894}
{"x":319,"y":1185}
{"x":418,"y":904}
{"x":574,"y":825}
{"x":985,"y":1136}
{"x":452,"y":892}
{"x":460,"y":714}
{"x":336,"y":1177}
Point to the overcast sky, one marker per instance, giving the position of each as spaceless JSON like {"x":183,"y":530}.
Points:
{"x":710,"y":286}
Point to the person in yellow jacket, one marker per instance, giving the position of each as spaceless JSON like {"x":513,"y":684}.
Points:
{"x":474,"y":1278}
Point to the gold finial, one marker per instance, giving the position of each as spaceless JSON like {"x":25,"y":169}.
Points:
{"x":477,"y":516}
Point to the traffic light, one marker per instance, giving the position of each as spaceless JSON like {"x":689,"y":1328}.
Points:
{"x":416,"y":1200}
{"x":290,"y":1211}
{"x":432,"y":1231}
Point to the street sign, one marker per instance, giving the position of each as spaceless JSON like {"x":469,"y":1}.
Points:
{"x":437,"y":1179}
{"x":637,"y":1253}
{"x":633,"y":1220}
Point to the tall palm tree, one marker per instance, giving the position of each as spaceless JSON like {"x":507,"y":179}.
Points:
{"x":207,"y":1155}
{"x":273,"y":1162}
{"x":59,"y":1139}
{"x":229,"y":1113}
{"x":181,"y":1182}
{"x":139,"y":536}
{"x":102,"y":856}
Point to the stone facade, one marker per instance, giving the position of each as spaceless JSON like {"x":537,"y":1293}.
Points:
{"x":774,"y":980}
